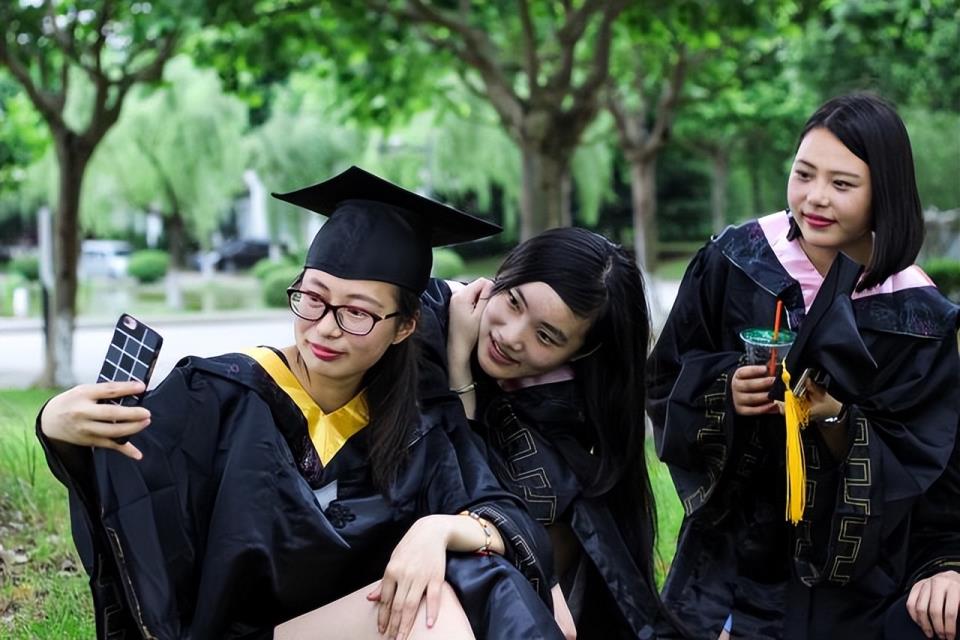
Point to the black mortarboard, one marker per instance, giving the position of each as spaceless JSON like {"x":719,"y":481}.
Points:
{"x":379,"y":231}
{"x":829,"y":342}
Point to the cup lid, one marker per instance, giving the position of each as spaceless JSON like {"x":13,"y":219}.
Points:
{"x":764,"y":337}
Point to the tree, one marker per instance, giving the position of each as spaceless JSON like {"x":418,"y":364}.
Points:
{"x":177,"y":150}
{"x":743,"y":113}
{"x":303,"y":141}
{"x":658,"y":49}
{"x":904,"y":49}
{"x":116,"y":45}
{"x":542,"y":66}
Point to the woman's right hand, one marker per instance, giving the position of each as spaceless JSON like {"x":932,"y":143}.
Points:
{"x":76,"y":417}
{"x":750,"y":388}
{"x":464,"y":313}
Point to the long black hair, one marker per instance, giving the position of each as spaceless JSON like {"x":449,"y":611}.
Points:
{"x":870,"y":128}
{"x":391,"y":386}
{"x":600,"y":281}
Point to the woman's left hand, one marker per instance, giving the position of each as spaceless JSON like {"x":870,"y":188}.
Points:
{"x":933,"y":604}
{"x":417,"y":566}
{"x":822,"y":404}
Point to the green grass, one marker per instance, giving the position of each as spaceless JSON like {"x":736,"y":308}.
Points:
{"x":43,"y":589}
{"x":672,"y":269}
{"x":669,"y":513}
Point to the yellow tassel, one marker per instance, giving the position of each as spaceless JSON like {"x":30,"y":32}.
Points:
{"x":797,"y":414}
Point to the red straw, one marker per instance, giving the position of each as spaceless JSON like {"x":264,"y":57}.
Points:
{"x":772,"y":365}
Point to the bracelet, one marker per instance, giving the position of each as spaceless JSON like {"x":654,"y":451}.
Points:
{"x":467,"y":388}
{"x":484,"y":549}
{"x":838,"y":419}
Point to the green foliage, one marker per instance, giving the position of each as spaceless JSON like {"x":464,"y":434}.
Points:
{"x":946,"y":274}
{"x":904,"y":49}
{"x":935,"y":139}
{"x":148,"y":265}
{"x":592,"y":170}
{"x":462,"y":153}
{"x":304,"y":141}
{"x":177,"y":150}
{"x":26,"y":266}
{"x":447,"y":264}
{"x":263,"y":268}
{"x":276,"y":283}
{"x":23,"y":138}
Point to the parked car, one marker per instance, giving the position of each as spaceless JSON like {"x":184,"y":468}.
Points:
{"x":234,"y":255}
{"x":103,"y":259}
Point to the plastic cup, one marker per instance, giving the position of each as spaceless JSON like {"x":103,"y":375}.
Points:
{"x":759,"y":344}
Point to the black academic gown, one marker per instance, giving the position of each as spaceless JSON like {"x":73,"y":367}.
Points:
{"x":218,"y":532}
{"x":537,"y":441}
{"x":870,"y":526}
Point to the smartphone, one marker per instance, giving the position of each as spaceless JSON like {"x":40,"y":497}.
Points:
{"x":819,"y":377}
{"x":132,"y":355}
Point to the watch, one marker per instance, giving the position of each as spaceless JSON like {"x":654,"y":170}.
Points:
{"x":840,"y":418}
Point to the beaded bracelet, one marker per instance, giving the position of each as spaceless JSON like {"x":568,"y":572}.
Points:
{"x":467,"y":388}
{"x":484,"y":549}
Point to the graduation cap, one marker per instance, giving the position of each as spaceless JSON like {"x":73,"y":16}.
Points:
{"x":379,"y":231}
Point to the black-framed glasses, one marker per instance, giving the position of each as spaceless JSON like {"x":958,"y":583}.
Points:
{"x":352,"y":320}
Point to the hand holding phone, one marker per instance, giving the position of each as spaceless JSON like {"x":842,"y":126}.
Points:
{"x":815,"y":375}
{"x":131,"y":356}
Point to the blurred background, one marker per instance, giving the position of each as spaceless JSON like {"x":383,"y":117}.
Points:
{"x":139,"y":142}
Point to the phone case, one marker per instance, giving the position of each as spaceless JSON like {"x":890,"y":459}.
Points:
{"x":132,"y":354}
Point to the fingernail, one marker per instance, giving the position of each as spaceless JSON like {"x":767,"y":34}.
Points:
{"x":429,"y":622}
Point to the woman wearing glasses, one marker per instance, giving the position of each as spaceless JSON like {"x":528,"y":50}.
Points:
{"x":259,"y":487}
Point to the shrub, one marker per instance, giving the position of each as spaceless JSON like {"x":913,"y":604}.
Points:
{"x":148,"y":265}
{"x":266,"y":266}
{"x":275,"y":285}
{"x":447,"y":264}
{"x":26,"y":266}
{"x":946,"y":273}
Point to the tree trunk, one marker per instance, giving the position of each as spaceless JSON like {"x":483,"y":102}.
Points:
{"x":61,"y":310}
{"x":175,"y":241}
{"x":643,"y":191}
{"x":545,"y":196}
{"x":718,"y":188}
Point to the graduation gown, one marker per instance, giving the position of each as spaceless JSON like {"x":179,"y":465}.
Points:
{"x":875,"y":520}
{"x":235,"y":521}
{"x":537,"y":440}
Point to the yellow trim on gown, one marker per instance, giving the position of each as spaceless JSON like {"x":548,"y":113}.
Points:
{"x":328,"y":431}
